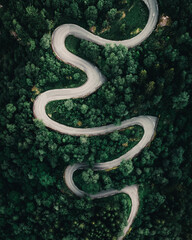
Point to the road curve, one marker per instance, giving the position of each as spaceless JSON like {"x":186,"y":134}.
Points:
{"x":94,"y":80}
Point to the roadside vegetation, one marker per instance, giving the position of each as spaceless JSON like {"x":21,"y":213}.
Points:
{"x":123,"y":22}
{"x":154,"y":78}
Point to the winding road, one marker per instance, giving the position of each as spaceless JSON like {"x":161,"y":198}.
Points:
{"x":94,"y":80}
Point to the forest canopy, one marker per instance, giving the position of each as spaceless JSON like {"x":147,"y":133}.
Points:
{"x":154,"y":78}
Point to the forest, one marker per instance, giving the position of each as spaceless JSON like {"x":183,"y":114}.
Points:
{"x":154,"y":78}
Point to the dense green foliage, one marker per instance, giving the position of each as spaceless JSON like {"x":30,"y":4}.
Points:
{"x":154,"y":78}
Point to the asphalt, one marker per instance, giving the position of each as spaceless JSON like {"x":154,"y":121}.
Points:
{"x":95,"y":80}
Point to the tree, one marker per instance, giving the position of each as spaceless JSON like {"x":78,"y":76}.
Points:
{"x":123,"y":28}
{"x":90,"y":177}
{"x":46,"y":180}
{"x":128,"y":95}
{"x":112,"y":13}
{"x":150,"y":59}
{"x":69,"y":104}
{"x":181,"y":101}
{"x":110,"y":96}
{"x":84,"y":108}
{"x":120,"y":110}
{"x":91,"y":13}
{"x":126,"y":167}
{"x":90,"y":50}
{"x":75,"y":11}
{"x":150,"y":87}
{"x":10,"y":109}
{"x":100,"y":4}
{"x":45,"y":41}
{"x":32,"y":45}
{"x":115,"y":136}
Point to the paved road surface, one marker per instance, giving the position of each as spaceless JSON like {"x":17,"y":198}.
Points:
{"x":94,"y":80}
